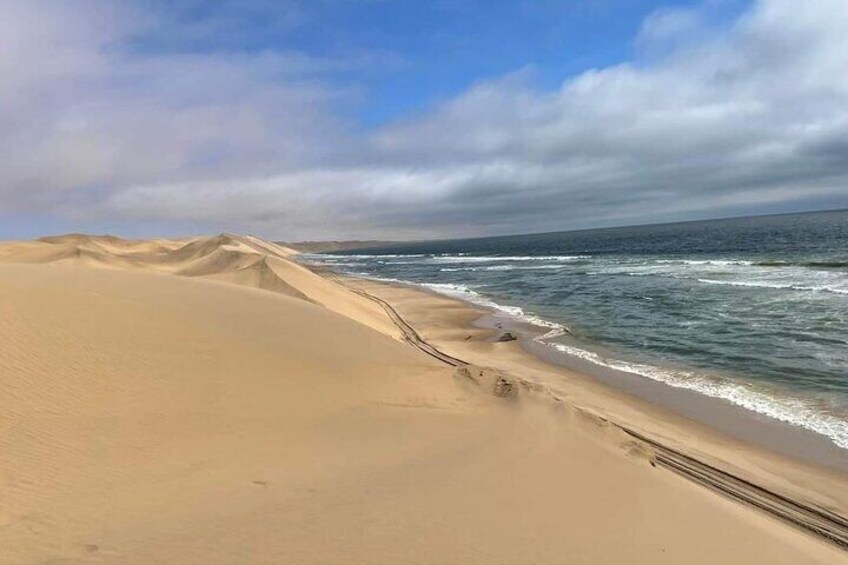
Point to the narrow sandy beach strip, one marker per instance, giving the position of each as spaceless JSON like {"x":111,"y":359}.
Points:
{"x":814,"y":500}
{"x":449,"y":326}
{"x":211,"y":401}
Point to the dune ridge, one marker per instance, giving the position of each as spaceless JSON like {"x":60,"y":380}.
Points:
{"x":243,"y":260}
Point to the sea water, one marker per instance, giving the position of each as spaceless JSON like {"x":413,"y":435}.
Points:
{"x":750,"y":310}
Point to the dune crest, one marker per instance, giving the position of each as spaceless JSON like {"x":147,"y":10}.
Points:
{"x":243,"y":260}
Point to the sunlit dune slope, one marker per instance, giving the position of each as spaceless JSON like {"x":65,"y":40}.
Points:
{"x":242,"y":260}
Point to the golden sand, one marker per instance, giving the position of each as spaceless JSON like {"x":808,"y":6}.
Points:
{"x":209,"y":400}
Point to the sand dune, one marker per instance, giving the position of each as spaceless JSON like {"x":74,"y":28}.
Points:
{"x":155,"y":412}
{"x":243,"y":260}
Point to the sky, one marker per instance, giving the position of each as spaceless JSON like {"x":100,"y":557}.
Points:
{"x":413,"y":119}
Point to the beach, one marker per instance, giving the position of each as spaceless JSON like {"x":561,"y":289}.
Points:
{"x":737,"y":319}
{"x":211,"y":400}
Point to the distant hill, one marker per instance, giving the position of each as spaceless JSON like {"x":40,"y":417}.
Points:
{"x":326,"y":246}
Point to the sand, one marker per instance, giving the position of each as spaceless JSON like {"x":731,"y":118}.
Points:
{"x":209,"y":400}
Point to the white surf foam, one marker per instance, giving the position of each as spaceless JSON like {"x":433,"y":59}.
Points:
{"x":382,"y":279}
{"x":735,"y":273}
{"x":776,"y":285}
{"x":362,"y":256}
{"x":467,"y":294}
{"x":501,"y":268}
{"x":793,"y":411}
{"x":511,"y":258}
{"x":706,"y":262}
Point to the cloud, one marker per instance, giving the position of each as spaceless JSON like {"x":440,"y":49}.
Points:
{"x":85,"y":112}
{"x":744,"y":117}
{"x":671,"y":28}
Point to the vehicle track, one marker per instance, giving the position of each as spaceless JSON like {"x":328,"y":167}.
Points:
{"x":808,"y":517}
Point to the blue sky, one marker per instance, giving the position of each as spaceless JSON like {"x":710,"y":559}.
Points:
{"x":404,"y":56}
{"x":411,"y":119}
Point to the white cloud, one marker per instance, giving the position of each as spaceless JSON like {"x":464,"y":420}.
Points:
{"x":83,"y":110}
{"x":749,"y":116}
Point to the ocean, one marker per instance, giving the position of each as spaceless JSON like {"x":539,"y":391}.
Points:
{"x":753,"y":311}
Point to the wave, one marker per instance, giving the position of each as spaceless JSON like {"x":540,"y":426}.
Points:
{"x":461,"y":258}
{"x":706,"y":262}
{"x":336,"y":263}
{"x":467,"y":294}
{"x":501,"y":268}
{"x":787,"y":278}
{"x":507,"y":258}
{"x":834,"y":264}
{"x":645,"y":273}
{"x":451,"y":257}
{"x":819,"y":264}
{"x":369,"y":276}
{"x":359,"y":256}
{"x":793,"y":411}
{"x":779,"y":286}
{"x":467,"y":258}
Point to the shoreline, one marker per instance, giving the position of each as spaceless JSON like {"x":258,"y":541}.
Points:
{"x":745,"y":347}
{"x":740,"y":423}
{"x":719,"y":413}
{"x":703,"y":453}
